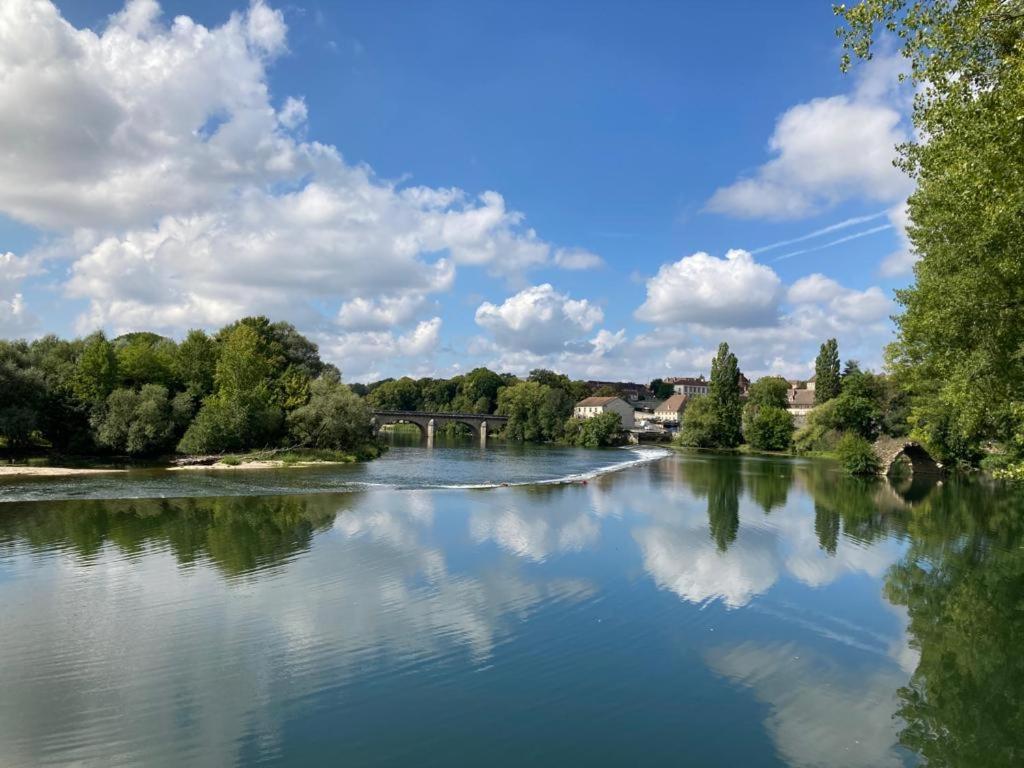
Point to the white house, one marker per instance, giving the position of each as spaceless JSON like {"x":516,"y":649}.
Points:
{"x":801,"y":401}
{"x":671,"y":410}
{"x":595,"y":406}
{"x":689,"y":386}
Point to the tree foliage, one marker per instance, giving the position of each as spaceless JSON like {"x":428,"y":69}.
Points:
{"x":724,"y":393}
{"x":827,"y":380}
{"x":769,"y":429}
{"x":598,"y":431}
{"x":960,"y":337}
{"x":536,"y":412}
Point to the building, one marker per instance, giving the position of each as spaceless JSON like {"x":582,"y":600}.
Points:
{"x":810,"y":382}
{"x":688,"y":387}
{"x":628,"y":390}
{"x":671,"y":411}
{"x":594,"y":406}
{"x":800,"y":402}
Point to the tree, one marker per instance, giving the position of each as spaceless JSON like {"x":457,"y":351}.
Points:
{"x":826,"y":372}
{"x":95,"y":370}
{"x":242,"y":412}
{"x":700,"y":424}
{"x":772,"y":391}
{"x":724,"y":393}
{"x":536,"y":412}
{"x":957,"y":352}
{"x":139,"y":422}
{"x":396,"y":395}
{"x":478,"y":391}
{"x":195,"y":363}
{"x":770,"y":429}
{"x":145,"y":358}
{"x":334,"y":417}
{"x":857,"y":455}
{"x":598,"y":431}
{"x":661,"y":390}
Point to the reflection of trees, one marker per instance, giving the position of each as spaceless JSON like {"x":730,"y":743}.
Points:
{"x":768,"y":481}
{"x":238,"y":534}
{"x":826,"y":525}
{"x":724,"y":508}
{"x":962,"y":583}
{"x":868,"y":507}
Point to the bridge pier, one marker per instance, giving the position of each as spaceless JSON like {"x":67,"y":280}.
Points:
{"x":430,"y":433}
{"x":483,"y":433}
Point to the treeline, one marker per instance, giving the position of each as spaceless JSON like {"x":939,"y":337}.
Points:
{"x":254,"y":384}
{"x":852,"y":409}
{"x":959,"y":353}
{"x":539,"y":408}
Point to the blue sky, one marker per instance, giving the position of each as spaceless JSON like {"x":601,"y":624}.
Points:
{"x":299,"y":160}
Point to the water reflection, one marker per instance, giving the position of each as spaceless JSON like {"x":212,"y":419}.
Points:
{"x":849,"y":622}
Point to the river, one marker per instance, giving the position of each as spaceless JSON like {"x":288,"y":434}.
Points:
{"x":615,"y":607}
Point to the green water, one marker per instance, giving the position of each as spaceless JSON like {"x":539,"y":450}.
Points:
{"x":688,"y":610}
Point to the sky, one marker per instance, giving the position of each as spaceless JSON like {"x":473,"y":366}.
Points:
{"x":605,"y":189}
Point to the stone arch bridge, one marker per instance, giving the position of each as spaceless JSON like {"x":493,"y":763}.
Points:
{"x":891,"y":449}
{"x":429,"y":421}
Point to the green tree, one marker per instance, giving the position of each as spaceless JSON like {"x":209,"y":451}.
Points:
{"x":396,"y":395}
{"x":195,"y":363}
{"x":724,"y":393}
{"x":334,"y":417}
{"x":145,"y":358}
{"x":770,"y":391}
{"x":139,"y":422}
{"x":598,"y":431}
{"x":958,"y":351}
{"x":857,"y":455}
{"x":660,"y":389}
{"x":536,"y":412}
{"x":96,"y":370}
{"x":826,"y":372}
{"x":770,"y":429}
{"x":243,"y":411}
{"x":478,"y":391}
{"x":700,"y":424}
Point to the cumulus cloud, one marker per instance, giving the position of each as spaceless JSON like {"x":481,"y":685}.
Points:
{"x":700,"y":301}
{"x":361,"y":352}
{"x":577,"y":259}
{"x":828,"y":150}
{"x":734,"y":292}
{"x":539,"y":319}
{"x":202,"y":198}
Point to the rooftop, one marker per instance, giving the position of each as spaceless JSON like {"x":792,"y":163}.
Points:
{"x":595,"y":401}
{"x":675,"y":404}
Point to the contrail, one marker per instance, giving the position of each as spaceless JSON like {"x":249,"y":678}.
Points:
{"x":823,"y":231}
{"x":829,"y":244}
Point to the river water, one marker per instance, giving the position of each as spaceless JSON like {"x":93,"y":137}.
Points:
{"x":607,"y":607}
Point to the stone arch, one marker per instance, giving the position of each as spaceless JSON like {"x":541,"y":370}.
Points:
{"x":890,"y":450}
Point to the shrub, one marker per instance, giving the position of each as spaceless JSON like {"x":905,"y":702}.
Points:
{"x":857,"y":455}
{"x":595,"y":432}
{"x":770,"y":429}
{"x":700,"y":424}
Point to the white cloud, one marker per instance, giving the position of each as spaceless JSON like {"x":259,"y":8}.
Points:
{"x":577,"y":259}
{"x":203,"y":200}
{"x":387,"y":312}
{"x":734,"y":292}
{"x":828,"y":150}
{"x":814,"y":288}
{"x":362,"y":352}
{"x":539,"y":319}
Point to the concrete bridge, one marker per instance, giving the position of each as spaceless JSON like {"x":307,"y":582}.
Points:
{"x":428,"y":422}
{"x":891,"y":449}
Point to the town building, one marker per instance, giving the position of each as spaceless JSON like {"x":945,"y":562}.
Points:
{"x":628,"y":390}
{"x":671,"y":411}
{"x":800,"y":402}
{"x":689,"y":387}
{"x":590,"y":407}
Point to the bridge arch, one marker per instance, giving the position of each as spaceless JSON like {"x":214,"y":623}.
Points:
{"x":428,"y":422}
{"x":891,"y":450}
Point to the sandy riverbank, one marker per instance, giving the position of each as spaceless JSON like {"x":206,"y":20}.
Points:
{"x":15,"y":470}
{"x":259,"y":464}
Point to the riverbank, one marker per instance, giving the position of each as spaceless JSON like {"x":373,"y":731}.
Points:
{"x":261,"y":460}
